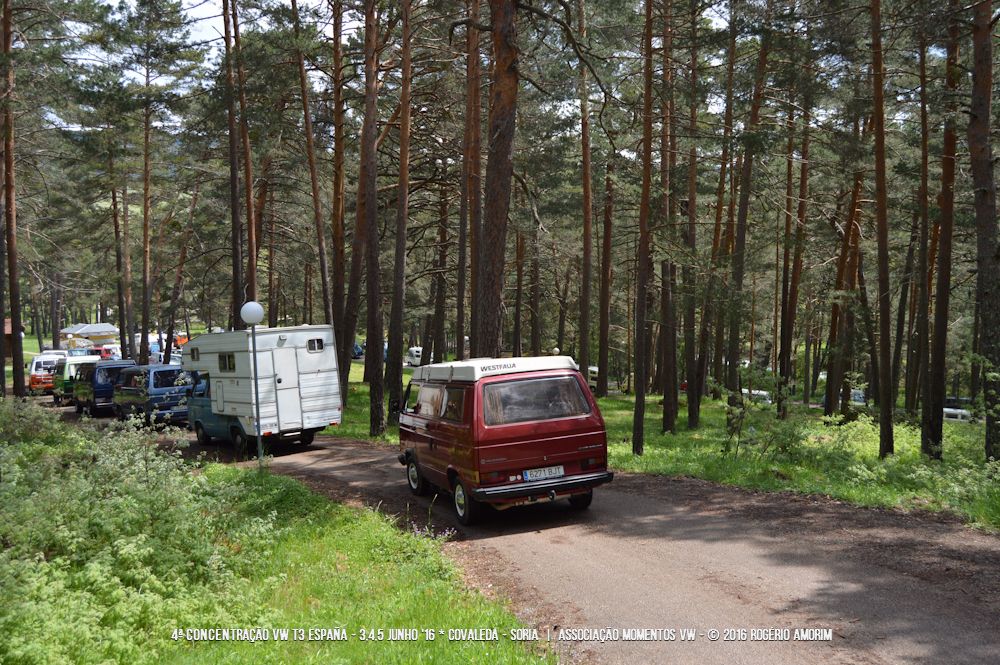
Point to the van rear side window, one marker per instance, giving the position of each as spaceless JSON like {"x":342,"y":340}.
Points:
{"x":533,"y":399}
{"x":429,"y":400}
{"x":315,"y":345}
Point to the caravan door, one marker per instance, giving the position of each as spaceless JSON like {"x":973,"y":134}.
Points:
{"x":286,"y":380}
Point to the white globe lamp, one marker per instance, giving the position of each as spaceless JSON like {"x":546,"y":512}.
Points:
{"x":252,"y":313}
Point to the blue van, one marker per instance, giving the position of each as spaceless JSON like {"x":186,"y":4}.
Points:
{"x":155,"y":392}
{"x":94,"y":386}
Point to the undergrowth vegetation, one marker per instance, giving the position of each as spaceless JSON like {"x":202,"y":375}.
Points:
{"x":810,"y":454}
{"x":109,"y":543}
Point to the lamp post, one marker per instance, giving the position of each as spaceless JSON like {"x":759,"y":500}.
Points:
{"x":252,"y":313}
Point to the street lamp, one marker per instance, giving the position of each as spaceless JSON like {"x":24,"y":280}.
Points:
{"x":252,"y":313}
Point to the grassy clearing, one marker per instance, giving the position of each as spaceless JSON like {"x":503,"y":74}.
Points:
{"x":108,"y":544}
{"x":805,"y":454}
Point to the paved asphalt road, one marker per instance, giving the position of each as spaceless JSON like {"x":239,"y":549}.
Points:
{"x":686,"y":554}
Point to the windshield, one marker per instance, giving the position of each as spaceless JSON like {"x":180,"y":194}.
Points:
{"x":533,"y":399}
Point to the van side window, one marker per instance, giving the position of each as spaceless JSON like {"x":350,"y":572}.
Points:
{"x":429,"y":400}
{"x":227,"y":362}
{"x":315,"y":345}
{"x":454,"y":404}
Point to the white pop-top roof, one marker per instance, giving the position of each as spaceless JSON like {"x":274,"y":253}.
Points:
{"x":477,"y":368}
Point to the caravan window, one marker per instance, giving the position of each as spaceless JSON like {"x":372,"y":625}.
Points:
{"x":195,"y":354}
{"x":227,"y":362}
{"x":315,"y":345}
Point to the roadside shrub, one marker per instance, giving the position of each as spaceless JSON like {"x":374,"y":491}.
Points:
{"x":106,"y":540}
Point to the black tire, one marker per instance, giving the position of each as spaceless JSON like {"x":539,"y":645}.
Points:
{"x":241,"y":442}
{"x":415,"y":479}
{"x":306,"y":438}
{"x":56,"y":399}
{"x":581,"y":501}
{"x":467,"y":509}
{"x":78,"y":405}
{"x":202,"y":436}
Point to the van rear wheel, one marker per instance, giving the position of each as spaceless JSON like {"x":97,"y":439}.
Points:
{"x":466,"y":508}
{"x":306,"y":438}
{"x":418,"y":486}
{"x":581,"y":501}
{"x":203,"y":438}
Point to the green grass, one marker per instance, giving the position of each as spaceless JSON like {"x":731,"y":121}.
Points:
{"x":111,"y":544}
{"x":355,"y":422}
{"x":339,"y":567}
{"x":807,"y":454}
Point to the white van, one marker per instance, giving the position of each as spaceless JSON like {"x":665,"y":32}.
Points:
{"x":298,"y":382}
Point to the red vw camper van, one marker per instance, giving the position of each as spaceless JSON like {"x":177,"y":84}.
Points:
{"x":503,"y":431}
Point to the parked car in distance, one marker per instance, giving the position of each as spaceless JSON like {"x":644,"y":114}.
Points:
{"x":758,"y":396}
{"x":357,"y":351}
{"x":94,"y":386}
{"x":63,"y":375}
{"x":154,"y":392}
{"x":40,"y":372}
{"x":504,"y":432}
{"x":414,"y":356}
{"x":958,"y":409}
{"x":82,"y":351}
{"x":592,"y":373}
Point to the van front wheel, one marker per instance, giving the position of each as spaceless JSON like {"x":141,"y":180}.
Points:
{"x":581,"y":501}
{"x":415,"y":479}
{"x":466,"y":508}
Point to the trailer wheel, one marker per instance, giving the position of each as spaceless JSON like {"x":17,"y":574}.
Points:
{"x":581,"y":501}
{"x":418,"y":486}
{"x":79,"y":406}
{"x":306,"y":438}
{"x":203,"y":438}
{"x":466,"y":508}
{"x":241,"y":442}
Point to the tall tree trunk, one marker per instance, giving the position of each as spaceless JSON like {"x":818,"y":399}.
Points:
{"x":882,"y":235}
{"x":515,"y":338}
{"x":739,"y":247}
{"x":236,"y":227}
{"x":123,"y":330}
{"x":394,"y":354}
{"x":337,"y":199}
{"x":3,"y":293}
{"x":987,"y":233}
{"x":373,"y":359}
{"x":904,"y":294}
{"x":583,"y":355}
{"x":499,"y":168}
{"x":147,"y":205}
{"x":688,"y":272}
{"x":470,"y":207}
{"x":253,"y":226}
{"x":439,"y":338}
{"x":782,"y":283}
{"x":668,"y":155}
{"x":536,"y":293}
{"x":324,"y":268}
{"x":10,"y":210}
{"x":272,"y":266}
{"x":918,"y":389}
{"x":642,"y":252}
{"x":604,"y":325}
{"x":931,"y":439}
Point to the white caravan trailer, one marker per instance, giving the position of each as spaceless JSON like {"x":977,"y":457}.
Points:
{"x":298,"y":382}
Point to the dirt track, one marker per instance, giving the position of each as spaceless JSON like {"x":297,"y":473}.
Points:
{"x":654,"y":552}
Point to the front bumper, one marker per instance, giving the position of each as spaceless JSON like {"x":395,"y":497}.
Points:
{"x":542,"y":487}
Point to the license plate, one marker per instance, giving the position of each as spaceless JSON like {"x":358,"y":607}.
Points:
{"x":542,"y":474}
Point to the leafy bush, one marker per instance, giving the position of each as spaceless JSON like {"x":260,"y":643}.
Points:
{"x":108,"y":543}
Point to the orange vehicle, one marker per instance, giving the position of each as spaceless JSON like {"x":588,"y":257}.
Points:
{"x":40,"y":374}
